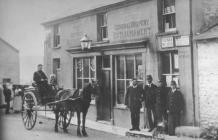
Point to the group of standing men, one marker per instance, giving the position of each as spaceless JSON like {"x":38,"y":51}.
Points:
{"x":161,"y":102}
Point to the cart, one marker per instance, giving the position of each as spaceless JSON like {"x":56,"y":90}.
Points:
{"x":30,"y":107}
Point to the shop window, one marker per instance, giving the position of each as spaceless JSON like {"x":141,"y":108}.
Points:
{"x":170,"y":66}
{"x":168,"y":14}
{"x":56,"y":36}
{"x":126,"y":68}
{"x":85,"y":71}
{"x":102,"y":27}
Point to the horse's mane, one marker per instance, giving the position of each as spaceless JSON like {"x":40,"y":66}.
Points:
{"x":69,"y":93}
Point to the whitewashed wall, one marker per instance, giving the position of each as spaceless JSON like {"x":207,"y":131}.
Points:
{"x":208,"y":82}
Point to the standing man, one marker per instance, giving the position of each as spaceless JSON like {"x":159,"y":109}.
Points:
{"x":133,"y":102}
{"x":42,"y":81}
{"x":174,"y":108}
{"x":7,"y":94}
{"x":161,"y":100}
{"x":150,"y":91}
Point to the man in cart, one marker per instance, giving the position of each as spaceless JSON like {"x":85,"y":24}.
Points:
{"x":42,"y":83}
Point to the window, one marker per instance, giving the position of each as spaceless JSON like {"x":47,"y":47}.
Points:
{"x":170,"y":67}
{"x":106,"y":61}
{"x":102,"y":27}
{"x":168,"y":15}
{"x":56,"y":35}
{"x":126,"y":68}
{"x":56,"y":65}
{"x":85,"y":71}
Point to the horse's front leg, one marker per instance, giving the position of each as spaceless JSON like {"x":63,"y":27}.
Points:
{"x":78,"y":124}
{"x":83,"y":123}
{"x":56,"y":120}
{"x":65,"y":123}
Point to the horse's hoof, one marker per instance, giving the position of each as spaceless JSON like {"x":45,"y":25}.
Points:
{"x":79,"y":134}
{"x":84,"y":133}
{"x":65,"y":131}
{"x":56,"y":129}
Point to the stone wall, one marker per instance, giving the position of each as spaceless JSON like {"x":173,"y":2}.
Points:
{"x":208,"y":78}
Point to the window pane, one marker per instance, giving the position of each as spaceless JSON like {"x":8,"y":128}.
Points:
{"x":139,"y":67}
{"x":104,"y":32}
{"x":175,"y":59}
{"x":120,"y":91}
{"x":168,"y":3}
{"x":120,"y":67}
{"x":129,"y":67}
{"x":165,"y":63}
{"x":106,"y":61}
{"x":79,"y":67}
{"x":86,"y":67}
{"x":79,"y":83}
{"x":86,"y":82}
{"x":128,"y":83}
{"x":92,"y":67}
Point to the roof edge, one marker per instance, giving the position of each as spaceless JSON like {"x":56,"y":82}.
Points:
{"x":12,"y":47}
{"x":92,"y":11}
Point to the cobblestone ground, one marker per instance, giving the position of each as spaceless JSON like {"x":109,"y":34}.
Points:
{"x":12,"y":129}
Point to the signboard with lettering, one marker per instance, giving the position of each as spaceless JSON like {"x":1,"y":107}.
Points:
{"x":132,"y":30}
{"x":167,"y":42}
{"x":182,"y":41}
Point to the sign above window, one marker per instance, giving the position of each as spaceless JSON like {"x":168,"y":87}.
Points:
{"x":182,"y":40}
{"x":167,"y":42}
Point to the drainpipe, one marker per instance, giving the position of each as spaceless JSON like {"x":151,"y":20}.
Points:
{"x":192,"y":61}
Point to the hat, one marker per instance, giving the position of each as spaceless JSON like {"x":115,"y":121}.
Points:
{"x":173,"y":82}
{"x":149,"y":77}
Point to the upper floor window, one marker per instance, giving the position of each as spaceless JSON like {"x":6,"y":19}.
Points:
{"x":56,"y":35}
{"x":168,"y":15}
{"x":102,"y":26}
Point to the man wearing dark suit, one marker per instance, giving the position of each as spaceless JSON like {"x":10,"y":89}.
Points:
{"x":161,"y":100}
{"x":133,"y":101}
{"x":150,"y":91}
{"x":42,"y":81}
{"x":174,"y":108}
{"x":7,"y":94}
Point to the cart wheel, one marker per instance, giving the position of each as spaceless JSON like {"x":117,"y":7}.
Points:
{"x":28,"y":113}
{"x":68,"y":114}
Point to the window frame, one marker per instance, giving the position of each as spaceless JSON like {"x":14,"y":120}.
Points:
{"x":168,"y":12}
{"x":90,"y":78}
{"x":101,"y":25}
{"x":125,"y":79}
{"x":56,"y":36}
{"x":172,"y":73}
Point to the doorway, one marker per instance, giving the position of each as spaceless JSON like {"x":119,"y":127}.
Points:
{"x":105,"y":76}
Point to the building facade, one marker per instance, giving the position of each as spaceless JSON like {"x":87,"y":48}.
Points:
{"x":129,"y":39}
{"x":9,"y":63}
{"x":205,"y":50}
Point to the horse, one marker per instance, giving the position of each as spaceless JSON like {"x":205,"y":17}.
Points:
{"x":79,"y":105}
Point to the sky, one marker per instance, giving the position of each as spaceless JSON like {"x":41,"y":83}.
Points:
{"x":20,"y":26}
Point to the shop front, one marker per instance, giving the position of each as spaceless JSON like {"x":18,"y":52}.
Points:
{"x":113,"y":65}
